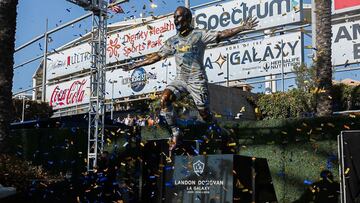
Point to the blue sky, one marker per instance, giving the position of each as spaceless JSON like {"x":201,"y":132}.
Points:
{"x":31,"y":21}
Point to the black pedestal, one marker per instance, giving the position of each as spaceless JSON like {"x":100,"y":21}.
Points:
{"x":204,"y":179}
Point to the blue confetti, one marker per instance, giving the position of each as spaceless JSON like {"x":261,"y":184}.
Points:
{"x":168,"y":184}
{"x":103,"y":179}
{"x":308,"y":182}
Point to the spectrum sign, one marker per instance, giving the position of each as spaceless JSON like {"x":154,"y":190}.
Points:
{"x":270,"y":13}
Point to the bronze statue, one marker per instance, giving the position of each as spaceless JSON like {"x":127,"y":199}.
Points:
{"x":188,"y":47}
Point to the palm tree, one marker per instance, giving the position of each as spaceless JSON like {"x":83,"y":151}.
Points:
{"x":323,"y":57}
{"x":7,"y":44}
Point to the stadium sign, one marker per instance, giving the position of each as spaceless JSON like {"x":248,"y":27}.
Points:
{"x":346,"y":40}
{"x":270,"y":13}
{"x":70,"y":93}
{"x":120,"y":46}
{"x":143,"y":80}
{"x":254,"y":58}
{"x":243,"y":60}
{"x":139,"y":41}
{"x":341,"y":6}
{"x":69,"y":61}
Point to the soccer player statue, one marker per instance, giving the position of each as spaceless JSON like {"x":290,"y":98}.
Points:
{"x":188,"y":47}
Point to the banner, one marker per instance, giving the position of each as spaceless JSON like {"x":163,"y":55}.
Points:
{"x":341,"y":6}
{"x":270,"y":13}
{"x":142,"y":80}
{"x":346,"y":43}
{"x":120,"y":46}
{"x":238,"y":61}
{"x":68,"y":94}
{"x":139,"y":41}
{"x":69,"y":61}
{"x":254,"y":58}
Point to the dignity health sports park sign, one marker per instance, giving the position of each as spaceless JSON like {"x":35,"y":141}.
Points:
{"x":139,"y":41}
{"x":346,"y":39}
{"x":121,"y":45}
{"x":270,"y":13}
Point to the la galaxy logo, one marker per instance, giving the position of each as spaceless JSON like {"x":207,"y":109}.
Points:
{"x":198,"y":167}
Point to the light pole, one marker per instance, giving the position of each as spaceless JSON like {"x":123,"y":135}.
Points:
{"x":24,"y":106}
{"x":187,"y":3}
{"x":112,"y":99}
{"x":23,"y":109}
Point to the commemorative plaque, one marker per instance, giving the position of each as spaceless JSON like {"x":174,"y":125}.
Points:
{"x":200,"y":179}
{"x":218,"y":179}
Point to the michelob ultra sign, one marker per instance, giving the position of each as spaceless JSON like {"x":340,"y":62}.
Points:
{"x":270,"y":13}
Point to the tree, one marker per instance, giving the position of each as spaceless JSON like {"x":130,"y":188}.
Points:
{"x":7,"y":48}
{"x":322,"y":60}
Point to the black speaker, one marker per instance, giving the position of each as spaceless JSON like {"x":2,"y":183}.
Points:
{"x":349,"y":157}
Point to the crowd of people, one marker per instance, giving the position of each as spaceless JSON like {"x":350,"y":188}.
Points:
{"x":138,"y":120}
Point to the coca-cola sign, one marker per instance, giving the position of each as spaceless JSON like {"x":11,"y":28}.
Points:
{"x":68,"y":94}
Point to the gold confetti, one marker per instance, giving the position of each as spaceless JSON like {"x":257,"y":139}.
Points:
{"x":331,"y":125}
{"x":232,"y":144}
{"x":347,"y":171}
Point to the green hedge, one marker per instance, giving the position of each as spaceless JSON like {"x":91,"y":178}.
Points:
{"x":297,"y":150}
{"x":298,"y":103}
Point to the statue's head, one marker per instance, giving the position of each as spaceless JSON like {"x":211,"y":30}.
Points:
{"x":182,"y":18}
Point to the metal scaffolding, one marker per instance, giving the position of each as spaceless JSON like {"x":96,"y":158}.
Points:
{"x":97,"y":78}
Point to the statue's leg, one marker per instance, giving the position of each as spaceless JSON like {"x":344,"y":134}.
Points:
{"x":200,"y":94}
{"x":172,"y":92}
{"x":167,"y":110}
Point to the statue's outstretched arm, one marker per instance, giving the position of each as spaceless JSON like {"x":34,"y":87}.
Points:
{"x":247,"y":24}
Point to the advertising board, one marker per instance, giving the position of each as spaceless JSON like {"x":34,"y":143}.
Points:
{"x":139,"y":41}
{"x":254,"y":58}
{"x":143,"y":80}
{"x":68,"y":94}
{"x":69,"y":61}
{"x":341,"y":6}
{"x":346,"y":42}
{"x":121,"y":45}
{"x":237,"y":61}
{"x":270,"y":13}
